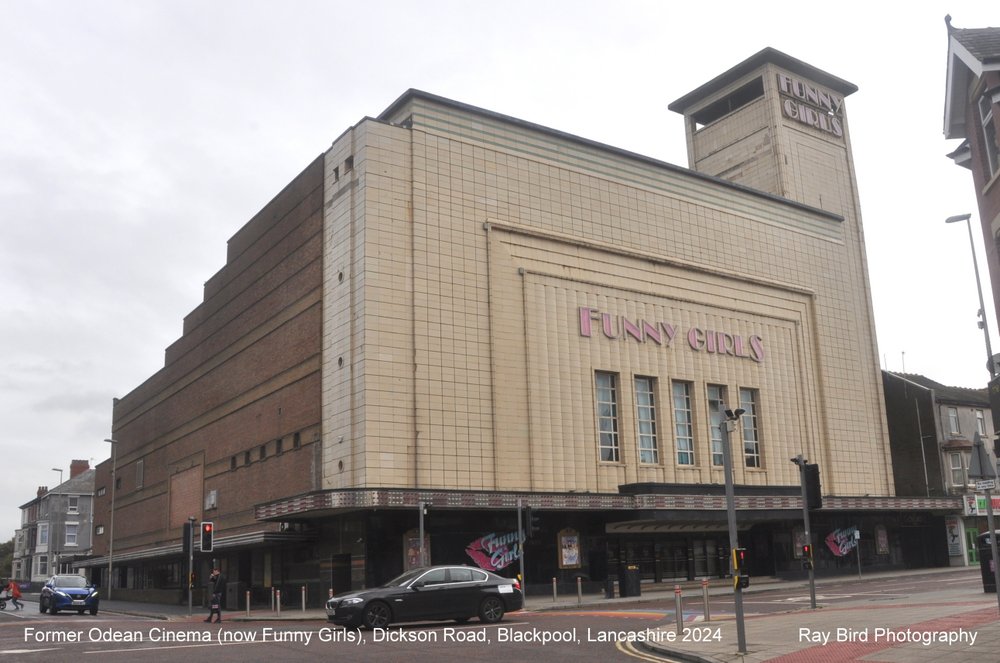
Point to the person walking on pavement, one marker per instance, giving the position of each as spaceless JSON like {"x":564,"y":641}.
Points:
{"x":15,"y":594}
{"x":216,"y":583}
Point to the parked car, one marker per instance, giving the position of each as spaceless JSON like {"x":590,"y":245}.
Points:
{"x":68,"y":592}
{"x":429,"y":593}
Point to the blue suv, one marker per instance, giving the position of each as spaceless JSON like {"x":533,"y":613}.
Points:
{"x":69,"y":592}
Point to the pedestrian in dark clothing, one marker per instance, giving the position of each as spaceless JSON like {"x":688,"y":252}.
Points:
{"x":216,"y":585}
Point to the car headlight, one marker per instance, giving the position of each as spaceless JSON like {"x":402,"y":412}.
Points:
{"x":94,"y":595}
{"x":351,"y":601}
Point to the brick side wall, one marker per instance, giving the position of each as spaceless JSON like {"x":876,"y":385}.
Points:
{"x":244,"y":375}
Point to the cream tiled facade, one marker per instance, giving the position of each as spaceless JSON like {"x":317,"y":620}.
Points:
{"x":452,"y":315}
{"x":464,"y":250}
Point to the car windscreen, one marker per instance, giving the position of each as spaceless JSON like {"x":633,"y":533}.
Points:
{"x":404,"y":578}
{"x":69,"y":581}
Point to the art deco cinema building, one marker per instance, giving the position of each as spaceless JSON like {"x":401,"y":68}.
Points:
{"x":456,"y":308}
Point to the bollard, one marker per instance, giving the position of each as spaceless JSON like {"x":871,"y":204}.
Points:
{"x":278,"y":595}
{"x":248,"y":603}
{"x":679,"y":609}
{"x":704,"y":598}
{"x":303,"y":598}
{"x":579,"y":590}
{"x":555,"y":594}
{"x":272,"y":598}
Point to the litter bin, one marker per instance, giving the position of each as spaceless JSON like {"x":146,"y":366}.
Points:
{"x":630,"y":583}
{"x":986,"y":562}
{"x":609,"y":588}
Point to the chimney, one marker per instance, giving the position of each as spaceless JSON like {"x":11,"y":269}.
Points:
{"x":77,"y":467}
{"x":42,"y":490}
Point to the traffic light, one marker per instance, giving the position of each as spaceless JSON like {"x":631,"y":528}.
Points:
{"x":187,"y":536}
{"x":207,"y":537}
{"x":741,"y":582}
{"x":739,"y":559}
{"x":814,"y":493}
{"x":532,"y":523}
{"x":807,"y":556}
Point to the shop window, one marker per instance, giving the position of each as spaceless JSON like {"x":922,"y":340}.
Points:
{"x":607,"y":415}
{"x":716,"y":417}
{"x":683,"y":423}
{"x":749,"y":402}
{"x":645,"y":404}
{"x":991,"y":156}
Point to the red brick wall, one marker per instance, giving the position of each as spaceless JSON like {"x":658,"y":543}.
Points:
{"x":989,"y":199}
{"x":245,"y":374}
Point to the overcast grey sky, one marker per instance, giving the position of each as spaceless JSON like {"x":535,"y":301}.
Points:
{"x":137,"y":136}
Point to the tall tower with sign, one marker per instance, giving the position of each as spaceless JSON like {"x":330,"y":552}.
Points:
{"x":778,"y":125}
{"x":775,"y":124}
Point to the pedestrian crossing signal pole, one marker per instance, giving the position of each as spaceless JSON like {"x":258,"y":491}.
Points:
{"x":727,"y":427}
{"x":189,"y":546}
{"x":807,"y":551}
{"x":982,"y":471}
{"x":520,"y":545}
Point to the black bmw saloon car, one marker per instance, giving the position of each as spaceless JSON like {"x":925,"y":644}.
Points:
{"x":428,"y":593}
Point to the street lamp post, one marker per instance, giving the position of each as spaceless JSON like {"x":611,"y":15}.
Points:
{"x":52,"y":535}
{"x":727,"y":427}
{"x":984,"y":467}
{"x":111,"y":532}
{"x":979,"y":289}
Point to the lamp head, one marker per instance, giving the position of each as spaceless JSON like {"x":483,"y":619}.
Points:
{"x":957,"y":218}
{"x":733,"y":415}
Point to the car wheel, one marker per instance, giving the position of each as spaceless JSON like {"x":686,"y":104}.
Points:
{"x":93,"y":612}
{"x":377,"y":615}
{"x":53,"y":610}
{"x":491,"y":610}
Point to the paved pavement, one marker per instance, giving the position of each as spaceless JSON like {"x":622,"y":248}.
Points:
{"x":950,"y":624}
